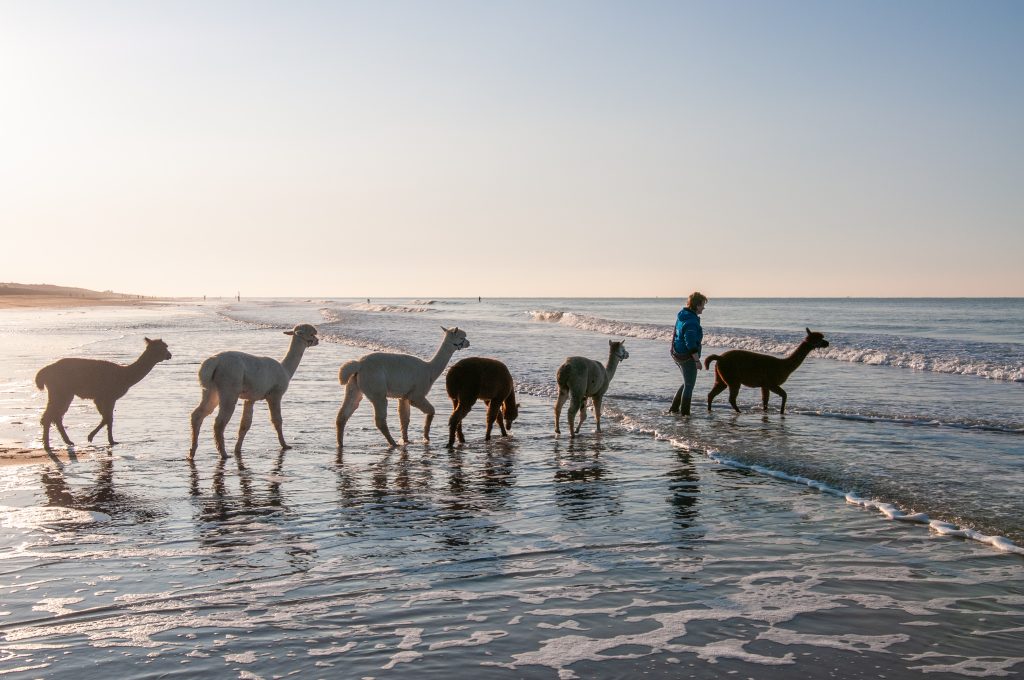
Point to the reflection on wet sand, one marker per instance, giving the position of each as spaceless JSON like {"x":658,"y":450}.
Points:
{"x":235,"y":525}
{"x":584,"y":489}
{"x":100,"y":496}
{"x":684,"y":493}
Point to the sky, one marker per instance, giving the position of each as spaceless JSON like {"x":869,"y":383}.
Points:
{"x":515,"y":149}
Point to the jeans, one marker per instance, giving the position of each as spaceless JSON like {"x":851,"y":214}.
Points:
{"x":688,"y":367}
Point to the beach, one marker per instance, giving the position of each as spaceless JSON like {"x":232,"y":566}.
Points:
{"x":720,"y":544}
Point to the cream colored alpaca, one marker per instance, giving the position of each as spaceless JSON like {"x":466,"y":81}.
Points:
{"x":580,"y":378}
{"x":381,"y":375}
{"x":228,"y":376}
{"x":102,"y":381}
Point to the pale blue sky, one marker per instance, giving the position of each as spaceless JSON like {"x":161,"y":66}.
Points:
{"x":514,"y":149}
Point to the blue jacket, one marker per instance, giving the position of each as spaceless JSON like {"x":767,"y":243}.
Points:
{"x":688,"y":334}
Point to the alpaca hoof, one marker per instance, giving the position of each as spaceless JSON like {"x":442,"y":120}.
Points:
{"x":285,"y":447}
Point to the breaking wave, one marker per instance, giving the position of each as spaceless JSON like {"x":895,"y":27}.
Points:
{"x":995,"y":361}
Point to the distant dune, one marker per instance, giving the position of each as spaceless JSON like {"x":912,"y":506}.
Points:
{"x":28,"y":295}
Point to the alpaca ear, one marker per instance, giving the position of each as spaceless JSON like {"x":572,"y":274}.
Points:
{"x":147,"y":340}
{"x":444,"y":329}
{"x":808,"y":330}
{"x":289,"y":332}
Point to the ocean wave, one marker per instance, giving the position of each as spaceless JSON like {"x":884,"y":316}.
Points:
{"x":994,"y":361}
{"x":890,"y":511}
{"x":413,"y":308}
{"x":911,"y":421}
{"x":600,"y":325}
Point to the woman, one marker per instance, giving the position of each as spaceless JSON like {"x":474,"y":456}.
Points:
{"x":686,"y":340}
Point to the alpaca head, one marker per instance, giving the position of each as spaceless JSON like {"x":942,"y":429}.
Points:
{"x":157,"y":349}
{"x":306,"y":333}
{"x":618,"y":349}
{"x":455,"y":337}
{"x":814,"y":339}
{"x":510,"y":410}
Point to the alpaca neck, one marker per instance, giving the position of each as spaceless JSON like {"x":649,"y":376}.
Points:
{"x":139,"y":369}
{"x":799,"y":354}
{"x":609,"y":369}
{"x":294,"y":356}
{"x":440,"y":359}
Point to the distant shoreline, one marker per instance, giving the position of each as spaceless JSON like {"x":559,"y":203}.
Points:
{"x":44,"y":296}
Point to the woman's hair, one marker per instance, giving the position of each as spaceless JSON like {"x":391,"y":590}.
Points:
{"x":696,"y":298}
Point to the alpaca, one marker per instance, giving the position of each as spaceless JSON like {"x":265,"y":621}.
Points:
{"x":480,"y":378}
{"x":102,"y":381}
{"x":740,"y":367}
{"x":381,"y":375}
{"x":228,"y":376}
{"x":580,"y":378}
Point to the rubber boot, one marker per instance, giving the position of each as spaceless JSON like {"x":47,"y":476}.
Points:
{"x":674,"y":408}
{"x":684,"y":408}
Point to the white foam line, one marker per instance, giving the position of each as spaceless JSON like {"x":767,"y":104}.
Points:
{"x":891,"y":512}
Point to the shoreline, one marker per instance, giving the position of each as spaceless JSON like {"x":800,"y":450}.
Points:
{"x":43,"y":301}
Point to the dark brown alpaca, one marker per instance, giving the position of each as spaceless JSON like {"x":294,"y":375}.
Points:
{"x":740,"y":367}
{"x":102,"y":381}
{"x":480,"y":378}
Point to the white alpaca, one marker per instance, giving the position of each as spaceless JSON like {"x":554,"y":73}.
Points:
{"x":580,"y":378}
{"x":381,"y":375}
{"x":228,"y":376}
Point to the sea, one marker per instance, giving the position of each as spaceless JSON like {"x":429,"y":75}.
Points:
{"x":872,"y":531}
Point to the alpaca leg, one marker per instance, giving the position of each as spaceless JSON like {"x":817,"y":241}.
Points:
{"x":782,"y":393}
{"x":583,"y":414}
{"x":459,"y":411}
{"x":100,"y":407}
{"x":404,"y":412}
{"x":380,"y":417}
{"x":227,"y":408}
{"x":274,"y":402}
{"x":597,"y":412}
{"x":56,"y":406}
{"x":493,"y":414}
{"x":764,"y":398}
{"x":734,"y":391}
{"x":574,"y":407}
{"x":106,"y":409}
{"x":207,"y":403}
{"x":353,"y":395}
{"x":243,"y":427}
{"x":716,"y":389}
{"x":501,"y":419}
{"x":428,"y":410}
{"x":563,"y":394}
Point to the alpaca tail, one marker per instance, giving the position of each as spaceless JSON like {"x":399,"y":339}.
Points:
{"x":707,"y":362}
{"x":41,"y":377}
{"x":206,"y":372}
{"x":348,"y":370}
{"x":562,"y":376}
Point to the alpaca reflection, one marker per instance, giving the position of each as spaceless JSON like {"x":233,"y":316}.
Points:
{"x":584,"y":489}
{"x":99,"y":496}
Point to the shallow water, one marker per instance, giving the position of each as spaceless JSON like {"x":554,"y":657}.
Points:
{"x":634,"y":551}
